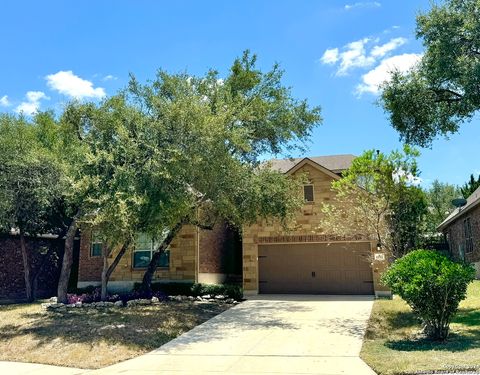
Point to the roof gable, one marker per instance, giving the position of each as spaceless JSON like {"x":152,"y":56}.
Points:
{"x":334,"y":163}
{"x":309,"y":161}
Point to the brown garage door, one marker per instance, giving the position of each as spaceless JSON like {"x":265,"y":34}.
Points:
{"x":340,"y":268}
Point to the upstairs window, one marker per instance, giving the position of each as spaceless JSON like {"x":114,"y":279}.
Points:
{"x":467,"y":229}
{"x":308,"y":193}
{"x":96,"y":245}
{"x":145,"y":246}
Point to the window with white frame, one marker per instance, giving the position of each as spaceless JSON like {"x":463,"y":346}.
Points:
{"x":145,"y":246}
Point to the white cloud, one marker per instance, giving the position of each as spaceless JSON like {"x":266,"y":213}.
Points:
{"x":363,"y":4}
{"x":382,"y":50}
{"x":362,"y":53}
{"x":372,"y":80}
{"x":4,"y":102}
{"x":67,"y":83}
{"x":330,"y":56}
{"x":109,"y":77}
{"x":354,"y":56}
{"x":32,"y":104}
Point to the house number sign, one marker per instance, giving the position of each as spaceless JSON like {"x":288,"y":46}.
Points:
{"x":380,"y":257}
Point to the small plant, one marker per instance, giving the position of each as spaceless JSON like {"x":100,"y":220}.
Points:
{"x":432,"y":285}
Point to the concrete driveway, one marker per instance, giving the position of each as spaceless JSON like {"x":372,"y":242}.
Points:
{"x":281,"y":334}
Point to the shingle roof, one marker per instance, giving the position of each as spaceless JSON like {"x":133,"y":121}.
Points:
{"x":336,"y":163}
{"x":472,"y":201}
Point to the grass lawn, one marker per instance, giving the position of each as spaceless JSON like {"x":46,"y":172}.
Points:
{"x":393,"y":345}
{"x":94,"y":338}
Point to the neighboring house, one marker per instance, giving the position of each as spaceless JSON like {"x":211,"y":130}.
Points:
{"x":462,"y":229}
{"x":45,"y":255}
{"x":273,"y":261}
{"x":300,"y":260}
{"x":195,"y":255}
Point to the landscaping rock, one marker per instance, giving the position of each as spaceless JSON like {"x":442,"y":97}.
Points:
{"x":78,"y":304}
{"x":206,"y":296}
{"x":191,"y":298}
{"x":52,"y":306}
{"x":199,"y":298}
{"x":118,"y":304}
{"x":230,"y":300}
{"x":220,"y":297}
{"x":155,"y":300}
{"x":53,"y":299}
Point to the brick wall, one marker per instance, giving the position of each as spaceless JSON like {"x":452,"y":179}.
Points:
{"x":12,"y":284}
{"x":220,"y":250}
{"x":456,"y":235}
{"x":305,"y":226}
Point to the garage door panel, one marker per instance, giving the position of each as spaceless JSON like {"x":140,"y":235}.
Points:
{"x":340,"y":268}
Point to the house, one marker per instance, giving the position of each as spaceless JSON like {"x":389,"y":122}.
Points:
{"x":268,"y":259}
{"x":462,"y":229}
{"x":299,"y":260}
{"x":45,"y":258}
{"x":195,"y":255}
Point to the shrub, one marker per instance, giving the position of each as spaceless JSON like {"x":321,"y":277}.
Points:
{"x":432,"y":285}
{"x":188,"y":289}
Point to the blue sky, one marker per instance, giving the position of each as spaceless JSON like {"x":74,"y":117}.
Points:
{"x":333,"y":53}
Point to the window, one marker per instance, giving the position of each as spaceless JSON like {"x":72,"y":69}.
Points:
{"x":96,"y":245}
{"x":144,"y":248}
{"x":467,"y":229}
{"x":308,"y":193}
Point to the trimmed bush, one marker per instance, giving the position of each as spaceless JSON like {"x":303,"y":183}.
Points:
{"x":432,"y":285}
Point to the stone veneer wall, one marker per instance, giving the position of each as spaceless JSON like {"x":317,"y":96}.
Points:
{"x":456,"y":237}
{"x":304,"y":228}
{"x":182,"y":262}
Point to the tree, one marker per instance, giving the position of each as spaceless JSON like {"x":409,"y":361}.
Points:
{"x":442,"y":91}
{"x":30,"y":187}
{"x":183,"y":150}
{"x":439,"y":201}
{"x":212,"y":133}
{"x":470,"y":186}
{"x":406,"y":221}
{"x":376,"y":198}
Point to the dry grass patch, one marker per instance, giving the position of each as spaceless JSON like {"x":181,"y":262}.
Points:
{"x":393,"y":343}
{"x":94,"y":338}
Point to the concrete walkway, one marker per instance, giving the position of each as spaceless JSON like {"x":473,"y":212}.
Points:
{"x":267,"y":335}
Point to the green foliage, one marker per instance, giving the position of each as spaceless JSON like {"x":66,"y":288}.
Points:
{"x":470,"y":186}
{"x":432,"y":285}
{"x":441,"y":92}
{"x":408,"y":211}
{"x":30,"y":180}
{"x":188,"y":289}
{"x":376,"y":197}
{"x":439,"y":199}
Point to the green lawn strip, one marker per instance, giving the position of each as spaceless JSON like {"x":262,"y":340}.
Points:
{"x":393,"y":343}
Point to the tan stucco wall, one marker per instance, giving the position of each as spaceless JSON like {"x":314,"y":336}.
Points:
{"x":306,"y":227}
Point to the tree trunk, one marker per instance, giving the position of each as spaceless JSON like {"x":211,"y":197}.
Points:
{"x":152,"y":267}
{"x":108,"y":270}
{"x":26,"y":268}
{"x":67,"y":260}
